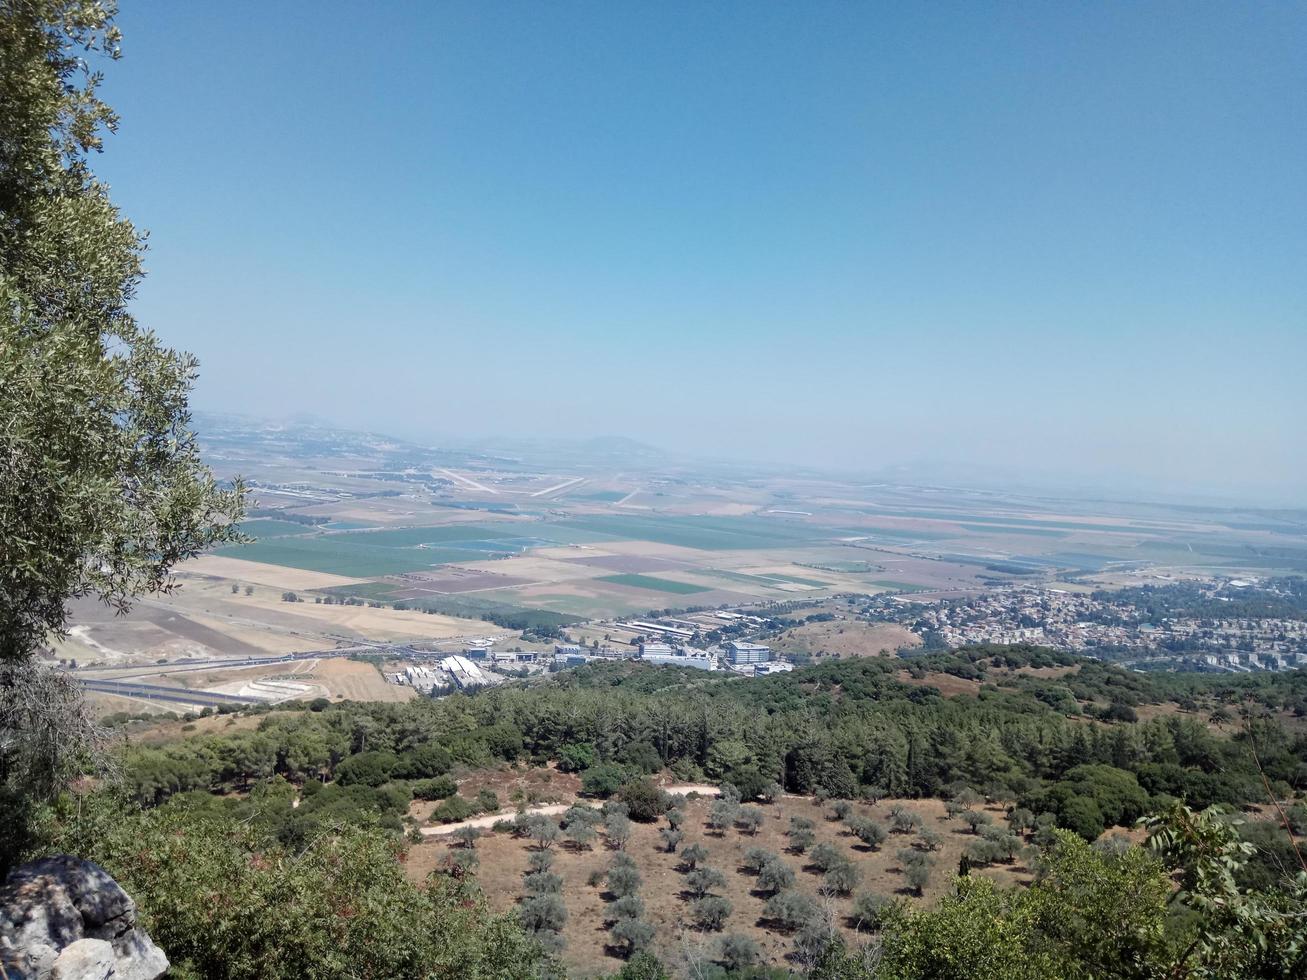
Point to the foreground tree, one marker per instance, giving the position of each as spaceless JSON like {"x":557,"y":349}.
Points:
{"x":102,"y":490}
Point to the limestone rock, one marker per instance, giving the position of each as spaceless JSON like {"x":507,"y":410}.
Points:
{"x":63,"y":917}
{"x":86,"y":959}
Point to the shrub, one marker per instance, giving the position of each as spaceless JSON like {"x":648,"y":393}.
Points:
{"x":739,"y":953}
{"x":488,"y":801}
{"x":366,"y":769}
{"x":542,"y":883}
{"x":452,"y":810}
{"x":790,"y":910}
{"x":438,"y":788}
{"x":842,"y":809}
{"x":825,"y":856}
{"x":644,"y":801}
{"x":710,"y":912}
{"x":539,"y":861}
{"x":604,"y":779}
{"x":870,"y":910}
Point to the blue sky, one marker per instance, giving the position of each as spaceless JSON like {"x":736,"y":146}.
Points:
{"x":1062,"y":240}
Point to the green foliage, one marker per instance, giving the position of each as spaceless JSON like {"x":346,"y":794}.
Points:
{"x":790,"y":910}
{"x":694,"y":855}
{"x":623,"y":881}
{"x":103,"y":489}
{"x":453,"y":810}
{"x":644,"y":801}
{"x":225,"y":901}
{"x":774,"y":876}
{"x":632,"y":935}
{"x":739,"y":953}
{"x":710,"y":912}
{"x":703,"y":880}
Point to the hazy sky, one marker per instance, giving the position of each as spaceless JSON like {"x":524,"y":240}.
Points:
{"x":1046,"y":238}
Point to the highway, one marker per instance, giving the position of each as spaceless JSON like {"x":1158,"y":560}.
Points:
{"x":154,"y":692}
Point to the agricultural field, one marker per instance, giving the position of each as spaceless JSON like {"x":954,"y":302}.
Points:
{"x":653,"y":584}
{"x":665,"y":887}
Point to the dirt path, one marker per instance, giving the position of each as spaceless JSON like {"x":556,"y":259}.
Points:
{"x":490,"y":819}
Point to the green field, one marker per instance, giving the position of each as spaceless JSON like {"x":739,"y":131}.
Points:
{"x":269,"y":528}
{"x":654,"y":584}
{"x":329,"y":554}
{"x":703,"y":533}
{"x":411,"y":537}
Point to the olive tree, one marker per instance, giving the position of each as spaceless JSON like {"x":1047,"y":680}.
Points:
{"x":102,"y":489}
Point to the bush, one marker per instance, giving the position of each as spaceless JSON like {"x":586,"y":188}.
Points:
{"x":538,"y":861}
{"x":452,"y":810}
{"x":604,"y":779}
{"x":366,"y":769}
{"x":871,"y":910}
{"x":790,"y":910}
{"x":226,"y":901}
{"x":739,"y":953}
{"x":825,"y":856}
{"x":542,"y":883}
{"x":644,"y":801}
{"x":710,"y":912}
{"x":488,"y":801}
{"x":439,"y":788}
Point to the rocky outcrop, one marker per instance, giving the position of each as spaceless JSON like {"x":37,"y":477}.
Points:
{"x":64,"y":918}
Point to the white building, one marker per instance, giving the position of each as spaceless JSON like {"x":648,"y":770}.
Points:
{"x":739,"y":652}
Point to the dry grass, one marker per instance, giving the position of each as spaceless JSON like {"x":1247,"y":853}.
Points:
{"x":504,"y":860}
{"x":258,"y":573}
{"x":847,"y":638}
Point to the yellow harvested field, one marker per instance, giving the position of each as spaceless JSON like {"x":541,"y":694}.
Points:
{"x":265,"y":607}
{"x":355,"y":680}
{"x":258,"y":573}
